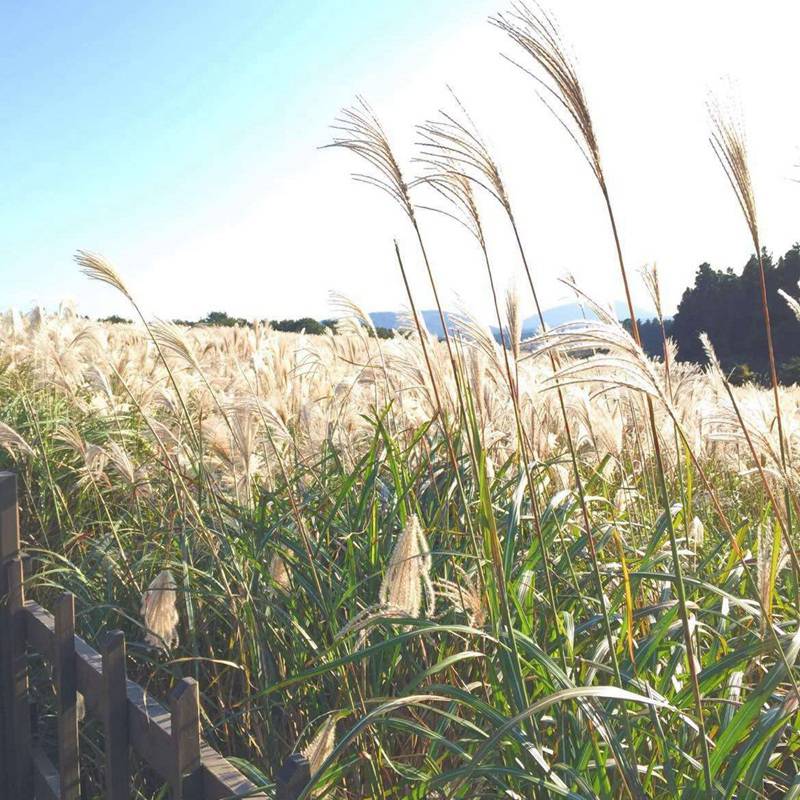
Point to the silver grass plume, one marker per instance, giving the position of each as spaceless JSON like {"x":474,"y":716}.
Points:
{"x":159,"y":611}
{"x":171,"y":338}
{"x":537,"y":34}
{"x":360,"y":131}
{"x":730,"y":147}
{"x":97,"y":268}
{"x":478,"y":335}
{"x":342,"y":304}
{"x":791,"y":302}
{"x":321,"y":746}
{"x":13,"y":442}
{"x":466,"y":597}
{"x":406,"y":578}
{"x":279,"y":573}
{"x":455,"y":188}
{"x":696,"y":533}
{"x":408,"y":572}
{"x":651,"y":281}
{"x":514,"y":320}
{"x":455,"y":140}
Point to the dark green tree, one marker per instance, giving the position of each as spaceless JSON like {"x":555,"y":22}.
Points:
{"x":651,"y":335}
{"x":727,"y":307}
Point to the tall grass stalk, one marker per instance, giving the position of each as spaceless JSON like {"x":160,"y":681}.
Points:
{"x":539,"y":37}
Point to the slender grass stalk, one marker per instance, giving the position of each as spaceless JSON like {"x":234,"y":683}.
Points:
{"x":538,"y":36}
{"x":728,"y":143}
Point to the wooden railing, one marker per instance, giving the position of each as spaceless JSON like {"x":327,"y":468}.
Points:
{"x":167,"y":740}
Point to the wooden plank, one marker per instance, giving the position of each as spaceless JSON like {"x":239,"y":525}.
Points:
{"x":149,"y":731}
{"x":149,"y":725}
{"x":222,"y":780}
{"x":45,"y":776}
{"x":19,"y":719}
{"x":40,"y":630}
{"x":185,"y":707}
{"x":67,"y":698}
{"x":115,"y":717}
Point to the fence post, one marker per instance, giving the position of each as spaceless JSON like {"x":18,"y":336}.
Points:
{"x":16,"y":720}
{"x":7,"y":502}
{"x":292,"y":777}
{"x":67,"y":696}
{"x":114,"y":705}
{"x":185,"y":709}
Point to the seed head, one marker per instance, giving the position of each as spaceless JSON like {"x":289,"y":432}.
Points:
{"x":159,"y":611}
{"x":408,"y":572}
{"x":696,"y":533}
{"x":321,"y":746}
{"x":279,"y":572}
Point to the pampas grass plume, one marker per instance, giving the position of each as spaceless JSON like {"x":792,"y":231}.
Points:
{"x":159,"y":611}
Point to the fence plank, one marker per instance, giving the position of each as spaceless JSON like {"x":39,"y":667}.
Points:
{"x":114,"y":704}
{"x":130,"y":716}
{"x":221,"y":780}
{"x":67,"y":698}
{"x":19,"y":719}
{"x":292,"y":777}
{"x":149,"y":727}
{"x":9,"y":548}
{"x":185,"y":707}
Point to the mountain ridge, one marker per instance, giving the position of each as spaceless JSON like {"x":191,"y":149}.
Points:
{"x":553,"y":316}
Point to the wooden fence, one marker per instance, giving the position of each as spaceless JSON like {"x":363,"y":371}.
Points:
{"x":168,"y":740}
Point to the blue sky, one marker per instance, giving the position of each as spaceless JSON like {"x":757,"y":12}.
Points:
{"x":122,"y":118}
{"x":181,"y":140}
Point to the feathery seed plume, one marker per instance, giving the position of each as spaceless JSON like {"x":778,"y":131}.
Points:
{"x":466,"y":597}
{"x":696,"y":533}
{"x":279,"y":572}
{"x":321,"y":746}
{"x":97,"y":268}
{"x":408,"y":572}
{"x":159,"y":611}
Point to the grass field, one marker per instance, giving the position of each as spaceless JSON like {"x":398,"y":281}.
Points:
{"x":551,"y":568}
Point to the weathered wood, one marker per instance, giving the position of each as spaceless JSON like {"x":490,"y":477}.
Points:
{"x":185,"y":716}
{"x":9,"y":517}
{"x":19,"y":716}
{"x":45,"y":776}
{"x":222,"y":780}
{"x":149,"y":729}
{"x":131,"y":717}
{"x":149,"y":726}
{"x":114,"y":707}
{"x":9,"y":548}
{"x":65,"y":668}
{"x":292,"y":777}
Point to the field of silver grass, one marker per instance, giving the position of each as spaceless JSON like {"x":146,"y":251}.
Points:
{"x":441,"y":569}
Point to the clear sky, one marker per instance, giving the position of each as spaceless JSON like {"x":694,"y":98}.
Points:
{"x":180,"y":139}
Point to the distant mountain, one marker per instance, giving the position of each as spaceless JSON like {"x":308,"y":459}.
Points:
{"x":557,"y":315}
{"x":574,"y":312}
{"x":391,"y":320}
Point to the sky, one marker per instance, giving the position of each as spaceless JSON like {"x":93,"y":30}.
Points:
{"x":182,"y":141}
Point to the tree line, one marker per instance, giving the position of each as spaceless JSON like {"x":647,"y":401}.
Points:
{"x":721,"y":303}
{"x":224,"y":320}
{"x":727,"y":306}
